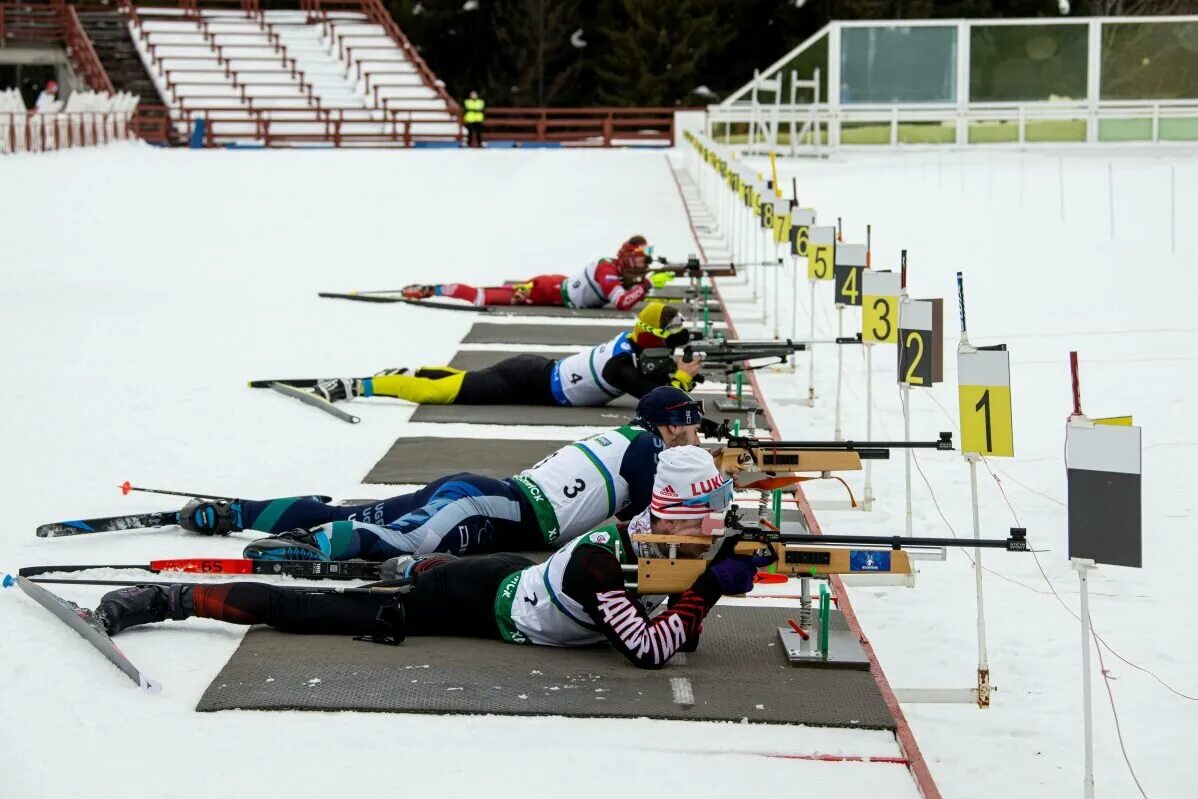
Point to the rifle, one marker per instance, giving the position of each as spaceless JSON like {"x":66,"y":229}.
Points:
{"x":765,"y":463}
{"x":733,"y":356}
{"x":798,"y":554}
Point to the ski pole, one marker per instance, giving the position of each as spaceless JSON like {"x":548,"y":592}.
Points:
{"x":126,"y":487}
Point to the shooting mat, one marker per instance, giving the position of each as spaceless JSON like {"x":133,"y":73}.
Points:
{"x":616,"y":413}
{"x":416,"y":461}
{"x":738,"y":673}
{"x":715,"y":314}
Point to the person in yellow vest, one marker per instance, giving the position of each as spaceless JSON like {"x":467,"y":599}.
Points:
{"x":473,"y":120}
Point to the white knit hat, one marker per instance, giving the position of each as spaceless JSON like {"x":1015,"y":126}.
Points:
{"x":688,"y":474}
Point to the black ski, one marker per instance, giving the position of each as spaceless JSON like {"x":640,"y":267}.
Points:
{"x":298,"y":382}
{"x":365,"y":297}
{"x":315,"y":400}
{"x":106,"y":524}
{"x":307,"y":569}
{"x":83,"y":622}
{"x":132,"y":521}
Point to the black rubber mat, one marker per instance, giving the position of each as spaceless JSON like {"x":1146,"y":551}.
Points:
{"x":420,"y":460}
{"x":574,"y":335}
{"x":739,"y":673}
{"x":618,"y":412}
{"x":715,"y":314}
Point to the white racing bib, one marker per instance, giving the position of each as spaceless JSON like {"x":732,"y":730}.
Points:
{"x":578,"y":379}
{"x":582,"y":481}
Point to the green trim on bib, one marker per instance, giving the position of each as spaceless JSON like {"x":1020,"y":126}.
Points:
{"x":541,"y":506}
{"x":505,"y":597}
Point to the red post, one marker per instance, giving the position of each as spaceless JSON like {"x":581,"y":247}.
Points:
{"x":607,"y":130}
{"x":1077,"y":392}
{"x":903,"y":278}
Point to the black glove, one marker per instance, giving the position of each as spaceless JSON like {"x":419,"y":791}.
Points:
{"x":734,"y":573}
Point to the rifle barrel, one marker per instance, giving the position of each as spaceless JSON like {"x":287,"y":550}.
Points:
{"x":1016,"y":543}
{"x":837,"y":446}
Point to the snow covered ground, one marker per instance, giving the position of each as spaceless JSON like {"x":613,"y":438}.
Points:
{"x":139,"y":290}
{"x":129,"y":327}
{"x":1046,"y":274}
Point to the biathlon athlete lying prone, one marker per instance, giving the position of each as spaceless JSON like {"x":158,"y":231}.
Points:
{"x":589,"y":378}
{"x":575,"y":598}
{"x":558,"y":499}
{"x":621,"y":282}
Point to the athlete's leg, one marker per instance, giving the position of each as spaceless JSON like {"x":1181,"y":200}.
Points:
{"x":277,"y":515}
{"x":519,"y":380}
{"x":458,"y":597}
{"x":468,"y":513}
{"x":546,"y":290}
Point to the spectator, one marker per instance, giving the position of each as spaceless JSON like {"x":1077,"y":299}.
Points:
{"x":45,"y":100}
{"x":473,"y":120}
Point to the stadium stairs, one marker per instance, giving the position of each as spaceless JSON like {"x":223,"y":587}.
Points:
{"x":109,"y":34}
{"x":328,"y":72}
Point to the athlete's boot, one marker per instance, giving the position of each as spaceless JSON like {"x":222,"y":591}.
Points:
{"x":211,"y":516}
{"x":404,"y":567}
{"x":143,"y":604}
{"x":417,"y":291}
{"x":297,"y":544}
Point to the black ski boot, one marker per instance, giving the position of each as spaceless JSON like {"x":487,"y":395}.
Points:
{"x":211,"y":517}
{"x":336,"y":389}
{"x":143,"y":604}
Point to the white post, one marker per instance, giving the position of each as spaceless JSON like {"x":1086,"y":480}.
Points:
{"x":777,"y":287}
{"x":867,"y":498}
{"x":1083,"y":566}
{"x":839,"y":368}
{"x":983,"y":662}
{"x":905,"y":390}
{"x":794,"y":305}
{"x":811,"y":351}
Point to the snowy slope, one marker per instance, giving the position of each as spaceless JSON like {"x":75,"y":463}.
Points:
{"x":139,"y":290}
{"x":1046,"y":276}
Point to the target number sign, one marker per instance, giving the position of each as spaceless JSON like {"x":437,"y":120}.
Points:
{"x":921,"y":342}
{"x":801,"y":221}
{"x":984,"y":400}
{"x":821,"y":253}
{"x":879,"y":306}
{"x":782,"y":220}
{"x":846,"y":274}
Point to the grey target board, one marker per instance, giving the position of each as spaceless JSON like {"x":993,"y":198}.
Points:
{"x":1105,"y":506}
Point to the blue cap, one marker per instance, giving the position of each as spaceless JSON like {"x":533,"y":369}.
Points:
{"x":668,"y":405}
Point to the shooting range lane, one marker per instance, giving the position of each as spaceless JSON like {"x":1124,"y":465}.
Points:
{"x":716,"y":314}
{"x":480,"y":359}
{"x":738,"y":673}
{"x":420,"y":460}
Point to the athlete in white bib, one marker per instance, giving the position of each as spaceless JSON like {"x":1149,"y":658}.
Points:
{"x":563,"y":496}
{"x":577,"y":597}
{"x":592,"y":377}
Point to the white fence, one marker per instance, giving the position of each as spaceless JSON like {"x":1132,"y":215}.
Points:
{"x":89,"y":119}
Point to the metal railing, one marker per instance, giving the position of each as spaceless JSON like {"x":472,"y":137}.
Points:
{"x":582,"y":126}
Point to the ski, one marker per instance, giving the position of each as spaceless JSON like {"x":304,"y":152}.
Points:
{"x":297,"y":382}
{"x":315,"y":400}
{"x":132,"y":521}
{"x":307,"y":569}
{"x":369,"y":297}
{"x":105,"y":524}
{"x":82,"y":621}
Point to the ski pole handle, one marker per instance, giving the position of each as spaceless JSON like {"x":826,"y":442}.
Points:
{"x":126,"y":487}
